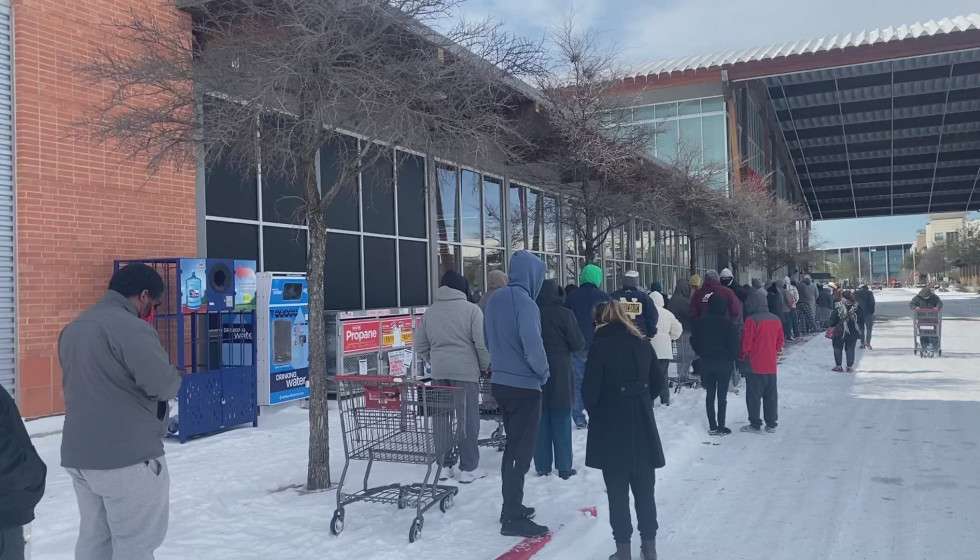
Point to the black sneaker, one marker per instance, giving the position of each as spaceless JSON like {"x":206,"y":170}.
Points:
{"x":565,"y":475}
{"x":723,"y":431}
{"x":522,"y":527}
{"x":528,"y":513}
{"x":582,"y":424}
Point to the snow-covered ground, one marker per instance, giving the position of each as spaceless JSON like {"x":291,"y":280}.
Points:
{"x":880,"y":464}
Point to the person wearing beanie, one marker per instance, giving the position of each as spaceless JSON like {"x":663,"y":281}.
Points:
{"x":712,"y":285}
{"x":496,"y":279}
{"x":451,"y":341}
{"x":695,"y":281}
{"x":659,"y":288}
{"x":582,"y":302}
{"x":716,"y":340}
{"x":728,"y":280}
{"x":638,"y":304}
{"x":680,"y":306}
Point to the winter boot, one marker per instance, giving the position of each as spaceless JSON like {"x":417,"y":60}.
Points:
{"x":623,"y":552}
{"x":522,"y":527}
{"x":565,"y":475}
{"x":527,"y":511}
{"x":649,"y":550}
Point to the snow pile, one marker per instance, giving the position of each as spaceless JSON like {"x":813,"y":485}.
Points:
{"x":880,"y":464}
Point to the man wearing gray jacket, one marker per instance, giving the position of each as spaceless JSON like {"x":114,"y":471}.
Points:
{"x":117,"y":379}
{"x":451,"y":341}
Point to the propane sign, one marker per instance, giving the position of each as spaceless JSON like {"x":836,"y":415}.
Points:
{"x":396,"y":333}
{"x":361,"y":336}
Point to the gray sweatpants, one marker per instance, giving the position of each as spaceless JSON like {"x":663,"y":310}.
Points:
{"x":124,"y":512}
{"x":469,"y":419}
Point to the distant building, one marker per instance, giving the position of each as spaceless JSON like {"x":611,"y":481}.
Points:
{"x":874,"y":264}
{"x":946,"y":228}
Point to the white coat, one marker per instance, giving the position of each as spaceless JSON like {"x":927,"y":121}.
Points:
{"x":668,"y":329}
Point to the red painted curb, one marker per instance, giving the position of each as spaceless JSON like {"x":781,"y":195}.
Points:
{"x":527,"y":548}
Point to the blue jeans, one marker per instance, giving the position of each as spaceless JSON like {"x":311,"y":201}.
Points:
{"x":578,"y":364}
{"x":554,"y":434}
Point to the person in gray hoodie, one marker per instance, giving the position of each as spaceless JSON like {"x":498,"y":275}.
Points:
{"x":496,"y":279}
{"x":520,"y":367}
{"x":117,"y":379}
{"x":451,"y":341}
{"x":808,"y":305}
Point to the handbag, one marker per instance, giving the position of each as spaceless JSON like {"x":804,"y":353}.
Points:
{"x":831,"y":332}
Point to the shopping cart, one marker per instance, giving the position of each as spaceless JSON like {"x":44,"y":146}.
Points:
{"x":397,"y":421}
{"x":927,"y":325}
{"x":490,"y":410}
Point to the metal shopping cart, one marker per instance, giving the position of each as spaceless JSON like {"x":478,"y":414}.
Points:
{"x":927,"y":325}
{"x":397,"y":421}
{"x":490,"y":410}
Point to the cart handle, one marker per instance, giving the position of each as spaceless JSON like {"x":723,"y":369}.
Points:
{"x":390,"y":380}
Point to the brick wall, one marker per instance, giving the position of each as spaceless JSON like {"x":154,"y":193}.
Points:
{"x":79,"y":206}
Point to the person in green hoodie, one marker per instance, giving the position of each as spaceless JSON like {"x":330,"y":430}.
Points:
{"x":582,"y":302}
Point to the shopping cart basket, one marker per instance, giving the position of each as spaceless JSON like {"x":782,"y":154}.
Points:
{"x":397,"y":421}
{"x":927,"y":325}
{"x":490,"y":410}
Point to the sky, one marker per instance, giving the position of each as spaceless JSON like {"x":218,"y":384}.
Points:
{"x":652,"y":30}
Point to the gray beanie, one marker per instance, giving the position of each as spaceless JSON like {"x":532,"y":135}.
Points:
{"x":711,"y":275}
{"x":756,"y":283}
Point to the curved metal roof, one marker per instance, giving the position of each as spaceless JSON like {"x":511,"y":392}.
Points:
{"x":795,"y":48}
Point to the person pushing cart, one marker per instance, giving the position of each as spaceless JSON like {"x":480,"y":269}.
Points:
{"x":927,"y":323}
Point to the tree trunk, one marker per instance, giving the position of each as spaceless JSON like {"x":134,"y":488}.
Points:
{"x":318,"y":469}
{"x":693,"y":260}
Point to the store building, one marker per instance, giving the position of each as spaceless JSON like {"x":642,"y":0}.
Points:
{"x":70,"y":208}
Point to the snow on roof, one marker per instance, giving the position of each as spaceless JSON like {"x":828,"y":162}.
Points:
{"x":811,"y":46}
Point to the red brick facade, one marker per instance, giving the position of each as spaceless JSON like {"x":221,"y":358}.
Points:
{"x":78,"y":206}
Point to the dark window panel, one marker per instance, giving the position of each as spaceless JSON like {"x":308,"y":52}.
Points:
{"x":343,"y":212}
{"x":411,"y":196}
{"x":284,"y":249}
{"x":380,"y":289}
{"x":282,"y":196}
{"x":342,"y":272}
{"x":414,"y":272}
{"x":230,"y":193}
{"x":377,"y":181}
{"x":232,"y":241}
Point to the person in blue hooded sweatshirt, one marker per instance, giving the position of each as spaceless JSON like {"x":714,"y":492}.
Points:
{"x":512,"y":324}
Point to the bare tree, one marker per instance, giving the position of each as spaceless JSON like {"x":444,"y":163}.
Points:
{"x":270,"y":82}
{"x":765,"y":229}
{"x":696,"y":200}
{"x":586,"y":141}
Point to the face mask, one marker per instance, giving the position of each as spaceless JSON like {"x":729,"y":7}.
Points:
{"x":151,"y":315}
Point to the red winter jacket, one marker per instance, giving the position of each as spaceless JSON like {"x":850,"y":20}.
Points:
{"x":699,"y":301}
{"x":762,"y":339}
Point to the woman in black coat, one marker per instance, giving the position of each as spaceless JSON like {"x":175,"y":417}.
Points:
{"x":562,"y":337}
{"x":717,"y":342}
{"x":622,"y":377}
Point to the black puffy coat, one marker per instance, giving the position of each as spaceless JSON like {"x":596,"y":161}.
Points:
{"x":22,"y":472}
{"x":715,"y":337}
{"x":562,"y":337}
{"x":621,"y":378}
{"x":866,"y":301}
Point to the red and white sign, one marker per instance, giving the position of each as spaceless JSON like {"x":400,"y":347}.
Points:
{"x":397,"y":332}
{"x":360,"y":336}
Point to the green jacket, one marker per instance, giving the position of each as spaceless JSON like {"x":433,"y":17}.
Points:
{"x":927,"y":299}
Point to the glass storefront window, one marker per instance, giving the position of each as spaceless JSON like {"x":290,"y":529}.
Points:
{"x":473,"y":270}
{"x":689,"y":143}
{"x":492,"y":212}
{"x":692,"y":107}
{"x":534,"y":221}
{"x":472,"y":214}
{"x":550,"y":213}
{"x":446,"y":210}
{"x":647,"y":113}
{"x":495,"y":260}
{"x":713,"y":129}
{"x":448,"y":258}
{"x":516,"y":207}
{"x":667,"y":141}
{"x":665,"y":110}
{"x":712,"y":104}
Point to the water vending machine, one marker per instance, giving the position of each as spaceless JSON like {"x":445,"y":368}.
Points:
{"x":283,"y":329}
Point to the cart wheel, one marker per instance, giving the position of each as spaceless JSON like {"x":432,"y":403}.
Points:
{"x":446,"y":503}
{"x":337,"y":523}
{"x":497,"y":433}
{"x":415,"y":532}
{"x":940,"y":353}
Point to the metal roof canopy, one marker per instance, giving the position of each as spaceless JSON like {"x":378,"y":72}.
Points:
{"x":886,"y":138}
